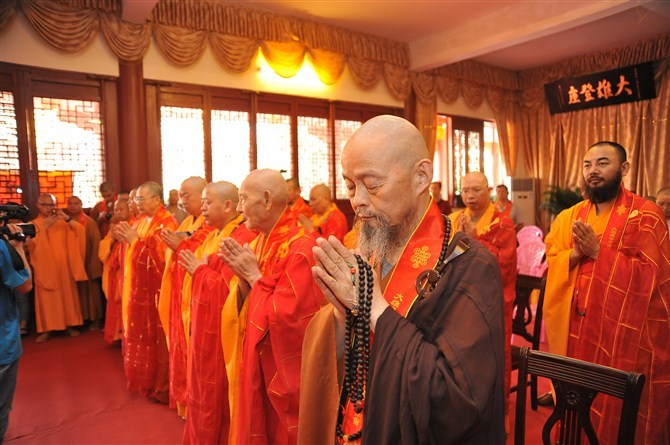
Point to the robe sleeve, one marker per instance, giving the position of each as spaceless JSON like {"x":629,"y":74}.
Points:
{"x":336,"y":225}
{"x":500,"y":240}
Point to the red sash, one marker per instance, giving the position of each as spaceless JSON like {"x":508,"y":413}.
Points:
{"x":421,"y":252}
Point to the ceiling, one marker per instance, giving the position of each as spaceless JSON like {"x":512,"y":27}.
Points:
{"x":510,"y":34}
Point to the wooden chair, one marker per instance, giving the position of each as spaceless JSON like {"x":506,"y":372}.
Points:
{"x":523,"y":317}
{"x":577,"y":383}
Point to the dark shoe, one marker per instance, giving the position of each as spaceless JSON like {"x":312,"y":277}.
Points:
{"x":545,"y":400}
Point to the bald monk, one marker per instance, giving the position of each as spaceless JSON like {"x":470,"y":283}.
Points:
{"x":103,"y":211}
{"x":173,"y":206}
{"x":272,"y":299}
{"x":663,"y":201}
{"x":133,"y":222}
{"x":111,"y":254}
{"x":208,"y":419}
{"x":145,"y":351}
{"x":58,"y":265}
{"x":297,"y":205}
{"x":482,"y":221}
{"x":90,"y":296}
{"x":435,"y":373}
{"x":326,"y":219}
{"x":189,"y":236}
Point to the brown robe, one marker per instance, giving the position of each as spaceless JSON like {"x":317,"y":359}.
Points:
{"x":435,"y":377}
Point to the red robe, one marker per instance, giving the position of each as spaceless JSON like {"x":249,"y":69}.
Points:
{"x":208,"y":418}
{"x":615,"y":310}
{"x":333,"y":222}
{"x":497,"y":232}
{"x":111,"y":254}
{"x":170,"y":309}
{"x":145,"y":354}
{"x":265,"y":383}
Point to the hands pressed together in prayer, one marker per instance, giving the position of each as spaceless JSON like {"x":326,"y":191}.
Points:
{"x":123,"y":231}
{"x":242,"y":261}
{"x":190,"y":262}
{"x":333,"y":271}
{"x":467,"y":226}
{"x":585,"y":243}
{"x":172,"y":239}
{"x":306,"y":223}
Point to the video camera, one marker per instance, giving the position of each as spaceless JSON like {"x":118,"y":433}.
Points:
{"x":16,"y":211}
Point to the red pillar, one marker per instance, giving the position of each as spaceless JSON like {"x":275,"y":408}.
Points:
{"x":134,"y":168}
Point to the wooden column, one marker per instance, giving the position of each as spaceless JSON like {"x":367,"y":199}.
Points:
{"x":134,"y":168}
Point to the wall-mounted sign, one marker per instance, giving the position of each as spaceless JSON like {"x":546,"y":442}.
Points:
{"x":627,"y":84}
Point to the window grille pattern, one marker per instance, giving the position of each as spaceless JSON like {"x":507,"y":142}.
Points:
{"x":274,"y":142}
{"x":182,"y":146}
{"x":313,"y":153}
{"x":343,"y":131}
{"x":230,"y":146}
{"x":459,"y":158}
{"x":10,"y":182}
{"x":70,"y":155}
{"x":474,"y":151}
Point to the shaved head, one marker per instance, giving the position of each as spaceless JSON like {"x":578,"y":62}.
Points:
{"x":663,"y":201}
{"x":219,"y":203}
{"x":190,"y":194}
{"x":475,"y":192}
{"x":320,"y":199}
{"x":74,"y":205}
{"x":263,"y":199}
{"x":387,"y":171}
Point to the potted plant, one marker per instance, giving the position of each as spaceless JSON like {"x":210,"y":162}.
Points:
{"x":557,"y":199}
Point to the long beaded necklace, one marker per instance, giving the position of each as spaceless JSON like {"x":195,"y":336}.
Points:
{"x":357,"y":333}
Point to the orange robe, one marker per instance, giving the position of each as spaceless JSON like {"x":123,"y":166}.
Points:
{"x":333,"y":222}
{"x":170,"y":309}
{"x":58,"y":264}
{"x":208,"y":417}
{"x":614,"y":310}
{"x":102,"y":222}
{"x":263,"y":344}
{"x":496,"y":231}
{"x":90,"y":296}
{"x":300,"y":207}
{"x":145,"y":351}
{"x":111,"y":254}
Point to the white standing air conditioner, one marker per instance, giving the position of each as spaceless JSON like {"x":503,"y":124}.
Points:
{"x":523,"y":196}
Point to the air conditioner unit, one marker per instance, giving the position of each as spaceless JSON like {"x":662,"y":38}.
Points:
{"x":524,"y":197}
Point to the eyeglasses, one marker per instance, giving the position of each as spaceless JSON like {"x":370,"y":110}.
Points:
{"x":142,"y":198}
{"x":44,"y":204}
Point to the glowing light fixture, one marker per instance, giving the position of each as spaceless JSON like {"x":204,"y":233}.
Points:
{"x":304,"y":81}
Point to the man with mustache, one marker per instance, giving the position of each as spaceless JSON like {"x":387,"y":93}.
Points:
{"x":608,"y":290}
{"x":435,"y":373}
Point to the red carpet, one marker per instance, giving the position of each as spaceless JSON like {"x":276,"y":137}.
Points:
{"x":72,"y":391}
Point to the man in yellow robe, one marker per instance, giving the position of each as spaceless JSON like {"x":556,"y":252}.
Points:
{"x":90,"y":295}
{"x":145,"y":351}
{"x":607,"y":299}
{"x":58,"y":265}
{"x":189,"y":236}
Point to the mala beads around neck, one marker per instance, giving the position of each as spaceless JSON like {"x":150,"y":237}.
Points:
{"x":357,"y":343}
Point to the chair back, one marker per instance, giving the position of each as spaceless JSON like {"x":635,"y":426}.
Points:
{"x":531,"y":258}
{"x":523,"y":313}
{"x":527,"y":233}
{"x":577,"y":383}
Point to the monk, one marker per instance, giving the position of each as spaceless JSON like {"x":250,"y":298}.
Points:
{"x":608,"y":290}
{"x":145,"y":351}
{"x":272,"y":299}
{"x":663,"y":201}
{"x":435,"y":373}
{"x":504,"y":205}
{"x":174,"y":314}
{"x":436,"y":193}
{"x":480,"y":220}
{"x":297,"y":205}
{"x":111,"y":254}
{"x":90,"y":290}
{"x":173,"y":206}
{"x":103,"y":211}
{"x":326,"y":218}
{"x":58,"y":264}
{"x":208,"y":420}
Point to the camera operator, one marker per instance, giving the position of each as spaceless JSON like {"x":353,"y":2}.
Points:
{"x":58,"y":264}
{"x":15,"y":278}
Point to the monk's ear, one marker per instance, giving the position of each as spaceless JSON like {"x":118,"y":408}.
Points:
{"x":423,"y":175}
{"x":625,"y":168}
{"x":268,"y":198}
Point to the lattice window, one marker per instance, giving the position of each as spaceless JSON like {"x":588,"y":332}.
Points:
{"x":474,"y":150}
{"x":10,"y":183}
{"x":182,"y":145}
{"x":313,"y":153}
{"x":459,"y":158}
{"x":230,"y":146}
{"x":70,"y":154}
{"x":274,"y":142}
{"x":343,"y":131}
